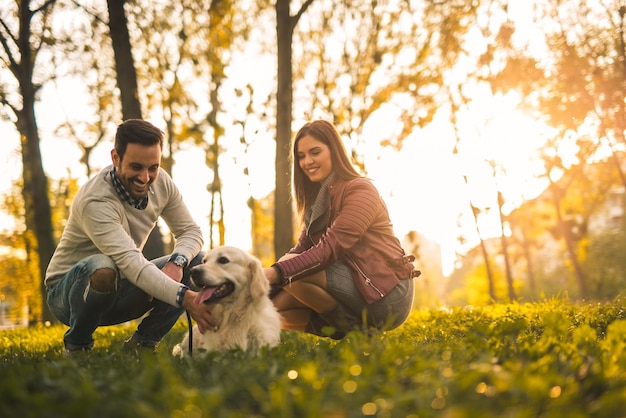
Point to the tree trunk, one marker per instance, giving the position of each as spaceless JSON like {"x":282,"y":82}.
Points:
{"x":569,"y":243}
{"x":505,"y":251}
{"x":283,"y":230}
{"x":38,"y":213}
{"x":526,"y":245}
{"x":214,"y":152}
{"x":127,"y":83}
{"x":483,"y":248}
{"x":283,"y":210}
{"x":36,"y":201}
{"x":124,"y":63}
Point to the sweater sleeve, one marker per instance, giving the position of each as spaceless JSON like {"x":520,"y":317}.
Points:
{"x":105,"y":226}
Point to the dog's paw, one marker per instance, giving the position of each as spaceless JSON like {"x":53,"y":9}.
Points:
{"x":177,"y":351}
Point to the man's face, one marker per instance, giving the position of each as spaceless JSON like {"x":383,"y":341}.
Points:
{"x":138,"y":169}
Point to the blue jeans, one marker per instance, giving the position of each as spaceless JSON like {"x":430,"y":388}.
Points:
{"x":76,"y":304}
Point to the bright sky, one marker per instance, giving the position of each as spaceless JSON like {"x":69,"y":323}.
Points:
{"x":423,"y":184}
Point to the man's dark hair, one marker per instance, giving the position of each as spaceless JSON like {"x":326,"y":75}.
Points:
{"x":136,"y":131}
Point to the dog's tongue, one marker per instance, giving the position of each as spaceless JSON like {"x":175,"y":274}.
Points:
{"x":204,"y":294}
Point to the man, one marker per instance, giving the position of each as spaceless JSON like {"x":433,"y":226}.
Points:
{"x":98,"y":275}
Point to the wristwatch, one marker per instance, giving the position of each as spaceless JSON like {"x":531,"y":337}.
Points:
{"x":178,"y":259}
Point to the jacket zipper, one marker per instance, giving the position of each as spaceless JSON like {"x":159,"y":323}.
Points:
{"x":287,"y":280}
{"x":309,"y":269}
{"x":368,"y":281}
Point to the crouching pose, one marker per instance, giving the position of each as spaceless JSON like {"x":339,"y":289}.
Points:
{"x":98,"y":274}
{"x":347,"y":270}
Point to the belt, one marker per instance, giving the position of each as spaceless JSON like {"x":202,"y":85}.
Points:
{"x":406,"y":260}
{"x":401,"y":261}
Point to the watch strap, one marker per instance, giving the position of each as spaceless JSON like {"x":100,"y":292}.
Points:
{"x":178,"y":259}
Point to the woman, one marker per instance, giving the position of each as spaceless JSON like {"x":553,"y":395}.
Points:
{"x":347,"y":270}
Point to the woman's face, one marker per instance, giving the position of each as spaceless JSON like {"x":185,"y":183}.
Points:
{"x":314,"y":158}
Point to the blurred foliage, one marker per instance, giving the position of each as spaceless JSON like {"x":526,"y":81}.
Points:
{"x":548,"y":359}
{"x":606,"y":265}
{"x":429,"y":55}
{"x":262,"y":228}
{"x":592,"y":207}
{"x":19,"y":273}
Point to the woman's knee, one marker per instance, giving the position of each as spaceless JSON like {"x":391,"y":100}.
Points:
{"x":285,"y":301}
{"x":312,"y":295}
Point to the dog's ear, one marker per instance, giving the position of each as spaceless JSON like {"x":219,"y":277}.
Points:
{"x":259,"y":286}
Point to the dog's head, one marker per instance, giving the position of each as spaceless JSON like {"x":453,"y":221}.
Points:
{"x":229,"y":273}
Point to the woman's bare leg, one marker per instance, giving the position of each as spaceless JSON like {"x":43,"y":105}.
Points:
{"x":311,"y":291}
{"x":299,"y":298}
{"x":295,"y":315}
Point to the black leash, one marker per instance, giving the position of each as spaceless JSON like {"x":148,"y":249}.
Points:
{"x":190,"y":326}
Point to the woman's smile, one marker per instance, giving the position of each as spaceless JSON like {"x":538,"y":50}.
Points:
{"x":314,"y":158}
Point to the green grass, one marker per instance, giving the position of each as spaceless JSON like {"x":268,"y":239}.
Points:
{"x":550,"y":359}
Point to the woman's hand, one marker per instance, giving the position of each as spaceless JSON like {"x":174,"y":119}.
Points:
{"x":271,"y":275}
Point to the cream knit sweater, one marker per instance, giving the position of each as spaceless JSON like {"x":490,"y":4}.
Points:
{"x":100,"y":222}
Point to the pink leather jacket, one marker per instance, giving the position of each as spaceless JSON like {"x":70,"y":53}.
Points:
{"x":360,"y":232}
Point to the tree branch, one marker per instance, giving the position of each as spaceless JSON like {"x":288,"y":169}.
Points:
{"x":5,"y":44}
{"x":296,"y":17}
{"x":44,"y":6}
{"x":90,"y":13}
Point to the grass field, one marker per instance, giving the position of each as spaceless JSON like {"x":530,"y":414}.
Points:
{"x":550,"y":359}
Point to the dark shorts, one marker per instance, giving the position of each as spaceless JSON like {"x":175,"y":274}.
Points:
{"x":385,"y":314}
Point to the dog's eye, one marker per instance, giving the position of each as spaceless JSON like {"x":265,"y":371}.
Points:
{"x":223,"y":260}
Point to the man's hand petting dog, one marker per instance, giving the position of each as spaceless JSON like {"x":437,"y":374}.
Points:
{"x":200,"y":312}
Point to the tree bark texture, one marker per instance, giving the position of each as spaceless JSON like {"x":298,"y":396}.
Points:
{"x":36,"y":200}
{"x":129,"y":94}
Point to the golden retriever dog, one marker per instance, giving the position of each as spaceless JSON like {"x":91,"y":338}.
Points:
{"x":233,"y":282}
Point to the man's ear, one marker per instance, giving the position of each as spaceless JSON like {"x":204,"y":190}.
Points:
{"x":115,"y":158}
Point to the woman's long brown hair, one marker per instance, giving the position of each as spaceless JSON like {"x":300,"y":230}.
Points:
{"x":304,"y":190}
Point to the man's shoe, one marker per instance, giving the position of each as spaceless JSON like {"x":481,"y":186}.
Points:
{"x":78,"y":352}
{"x":136,"y":345}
